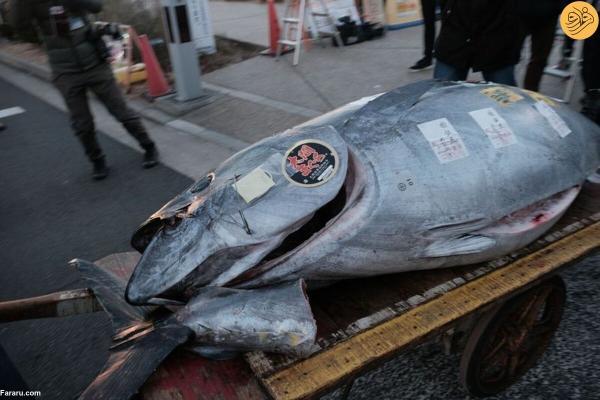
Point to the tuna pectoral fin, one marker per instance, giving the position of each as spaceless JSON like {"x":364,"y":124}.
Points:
{"x":275,"y":318}
{"x":459,"y":245}
{"x":129,"y":367}
{"x":110,"y":293}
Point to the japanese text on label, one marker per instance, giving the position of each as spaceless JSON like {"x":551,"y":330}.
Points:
{"x":502,"y":95}
{"x":553,"y":119}
{"x":495,"y":127}
{"x":444,"y":140}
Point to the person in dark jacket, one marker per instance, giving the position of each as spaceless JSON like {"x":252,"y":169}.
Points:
{"x":538,"y":20}
{"x":77,"y":58}
{"x":482,"y":35}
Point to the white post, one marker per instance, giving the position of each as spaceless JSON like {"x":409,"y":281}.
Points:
{"x":182,"y":49}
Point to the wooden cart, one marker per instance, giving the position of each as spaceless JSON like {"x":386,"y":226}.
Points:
{"x":501,"y":314}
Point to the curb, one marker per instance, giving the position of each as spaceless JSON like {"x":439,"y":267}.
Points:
{"x":39,"y":71}
{"x":150,"y":113}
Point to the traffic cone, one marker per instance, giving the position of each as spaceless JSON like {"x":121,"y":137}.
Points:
{"x":274,"y":31}
{"x":157,"y":83}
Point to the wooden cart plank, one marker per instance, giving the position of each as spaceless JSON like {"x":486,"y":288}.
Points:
{"x":185,"y":376}
{"x":313,"y":376}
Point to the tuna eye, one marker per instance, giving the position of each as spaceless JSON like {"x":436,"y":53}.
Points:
{"x":173,"y":222}
{"x":202,"y":183}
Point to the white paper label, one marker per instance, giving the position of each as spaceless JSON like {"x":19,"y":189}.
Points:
{"x":444,"y":140}
{"x":495,"y":127}
{"x":553,"y":118}
{"x":254,"y":184}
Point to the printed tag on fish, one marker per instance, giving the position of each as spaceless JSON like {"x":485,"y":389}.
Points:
{"x":559,"y":125}
{"x":444,"y":140}
{"x":254,"y":184}
{"x":495,"y":127}
{"x":502,"y":95}
{"x":540,"y":97}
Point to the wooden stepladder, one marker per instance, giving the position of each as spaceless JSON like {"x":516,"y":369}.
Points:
{"x":298,"y":14}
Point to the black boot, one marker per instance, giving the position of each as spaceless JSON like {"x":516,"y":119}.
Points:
{"x":150,"y":156}
{"x":2,"y":126}
{"x":100,"y":169}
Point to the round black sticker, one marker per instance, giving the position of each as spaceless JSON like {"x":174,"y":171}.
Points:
{"x":310,"y":163}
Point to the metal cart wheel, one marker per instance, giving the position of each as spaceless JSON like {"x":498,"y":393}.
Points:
{"x":507,"y":341}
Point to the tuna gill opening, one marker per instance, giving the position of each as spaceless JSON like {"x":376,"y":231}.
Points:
{"x":314,"y":225}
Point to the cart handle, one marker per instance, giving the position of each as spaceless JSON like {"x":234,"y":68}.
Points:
{"x":58,"y":304}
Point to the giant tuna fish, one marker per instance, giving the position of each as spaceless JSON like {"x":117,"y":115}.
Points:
{"x":426,"y":176}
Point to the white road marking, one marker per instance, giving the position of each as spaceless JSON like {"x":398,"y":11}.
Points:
{"x":9,"y":112}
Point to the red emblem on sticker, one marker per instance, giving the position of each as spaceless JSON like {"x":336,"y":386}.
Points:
{"x":310,"y":163}
{"x":306,"y":161}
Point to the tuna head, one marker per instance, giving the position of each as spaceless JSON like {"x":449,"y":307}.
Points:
{"x":236,"y":218}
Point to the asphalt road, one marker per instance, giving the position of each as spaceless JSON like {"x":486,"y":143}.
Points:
{"x":51,"y":212}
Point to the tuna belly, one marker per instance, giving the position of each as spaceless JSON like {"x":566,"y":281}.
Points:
{"x":506,"y":235}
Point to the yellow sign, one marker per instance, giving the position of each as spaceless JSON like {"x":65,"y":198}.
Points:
{"x":502,"y":95}
{"x":401,"y":12}
{"x":579,"y":20}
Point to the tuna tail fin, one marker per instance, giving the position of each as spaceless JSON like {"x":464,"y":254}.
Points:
{"x":110,"y":293}
{"x":140,"y":345}
{"x":129,"y":367}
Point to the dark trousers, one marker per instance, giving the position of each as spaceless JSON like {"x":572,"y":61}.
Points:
{"x":428,"y":10}
{"x":100,"y":81}
{"x":590,"y":70}
{"x":542,"y":38}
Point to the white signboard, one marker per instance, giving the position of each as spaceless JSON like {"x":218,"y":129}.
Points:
{"x":337,"y":9}
{"x":373,"y":11}
{"x":202,"y":30}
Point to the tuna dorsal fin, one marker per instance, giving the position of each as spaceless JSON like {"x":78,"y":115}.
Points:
{"x":128,"y":367}
{"x":459,"y":245}
{"x":110,"y":293}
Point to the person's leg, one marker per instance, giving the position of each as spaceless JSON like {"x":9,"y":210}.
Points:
{"x":542,"y":39}
{"x":504,"y":76}
{"x":428,"y":7}
{"x":101,"y":81}
{"x":428,"y":10}
{"x":82,"y":121}
{"x":446,"y":72}
{"x":590,"y":67}
{"x":73,"y":90}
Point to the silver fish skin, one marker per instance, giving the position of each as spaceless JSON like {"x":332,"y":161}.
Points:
{"x":398,"y":206}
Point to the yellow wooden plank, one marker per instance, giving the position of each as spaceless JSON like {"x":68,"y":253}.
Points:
{"x":323,"y":371}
